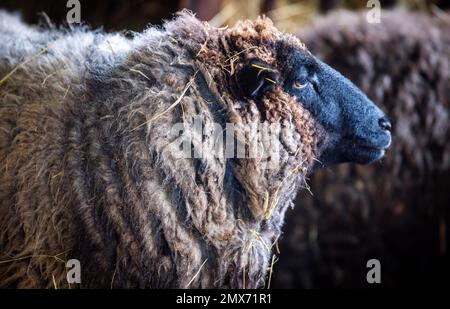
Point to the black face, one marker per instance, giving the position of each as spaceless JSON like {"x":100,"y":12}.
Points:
{"x":356,"y":129}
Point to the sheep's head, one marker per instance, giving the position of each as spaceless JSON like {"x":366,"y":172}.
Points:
{"x":355,"y":129}
{"x":257,"y":61}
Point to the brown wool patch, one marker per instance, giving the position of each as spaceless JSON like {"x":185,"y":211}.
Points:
{"x":280,"y":105}
{"x":256,"y":38}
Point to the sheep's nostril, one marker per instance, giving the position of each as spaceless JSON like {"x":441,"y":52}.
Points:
{"x":385,"y":124}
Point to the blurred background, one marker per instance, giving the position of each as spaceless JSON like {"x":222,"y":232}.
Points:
{"x":115,"y":15}
{"x":395,"y":210}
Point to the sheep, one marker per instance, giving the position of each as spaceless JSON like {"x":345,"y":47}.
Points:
{"x":91,"y":164}
{"x":395,"y":211}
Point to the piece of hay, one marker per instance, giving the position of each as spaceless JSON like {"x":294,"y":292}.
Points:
{"x":177,"y":101}
{"x":7,"y":76}
{"x":197,"y":273}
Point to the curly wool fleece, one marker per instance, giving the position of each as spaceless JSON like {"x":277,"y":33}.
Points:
{"x":87,"y":173}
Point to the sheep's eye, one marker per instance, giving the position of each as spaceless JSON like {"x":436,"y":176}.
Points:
{"x":299,"y":84}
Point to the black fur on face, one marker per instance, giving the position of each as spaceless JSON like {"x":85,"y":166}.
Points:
{"x":356,"y":130}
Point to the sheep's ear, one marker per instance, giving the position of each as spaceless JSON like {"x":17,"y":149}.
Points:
{"x":256,"y":78}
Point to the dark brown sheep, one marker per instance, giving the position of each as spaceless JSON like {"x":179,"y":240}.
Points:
{"x":396,"y":211}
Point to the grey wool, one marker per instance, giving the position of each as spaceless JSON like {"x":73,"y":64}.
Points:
{"x":88,"y":171}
